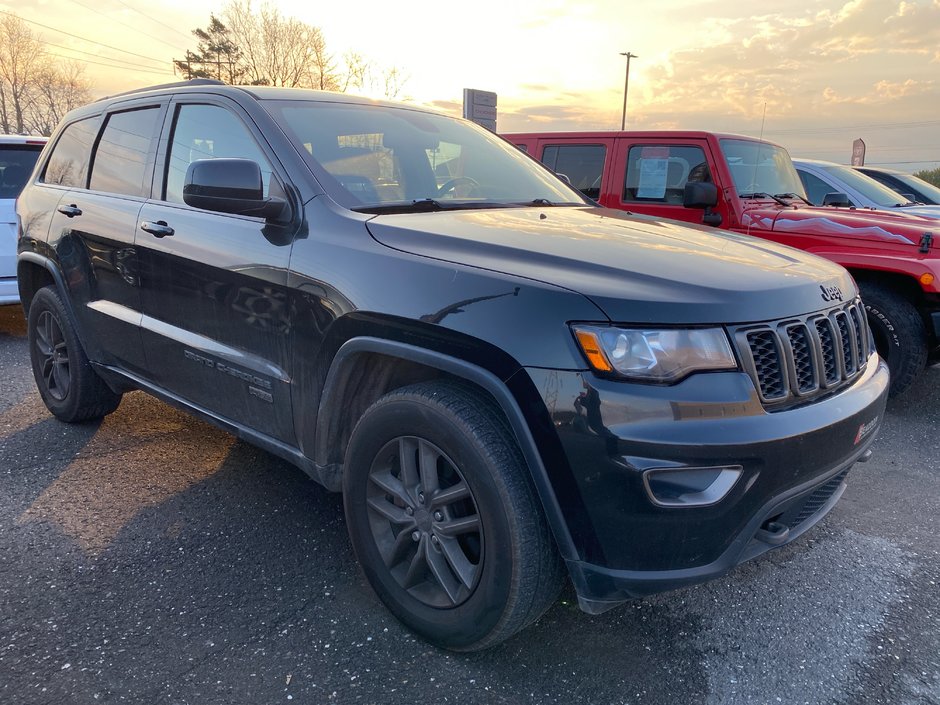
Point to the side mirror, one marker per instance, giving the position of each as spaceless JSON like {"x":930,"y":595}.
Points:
{"x":229,"y":186}
{"x":837,"y":199}
{"x":700,"y":194}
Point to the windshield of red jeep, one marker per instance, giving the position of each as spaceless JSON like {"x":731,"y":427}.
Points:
{"x":759,"y":167}
{"x":376,"y":158}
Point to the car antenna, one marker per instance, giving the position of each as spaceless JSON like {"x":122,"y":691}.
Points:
{"x":760,"y":144}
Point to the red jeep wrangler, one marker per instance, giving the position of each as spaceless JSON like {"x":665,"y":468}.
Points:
{"x":750,"y":186}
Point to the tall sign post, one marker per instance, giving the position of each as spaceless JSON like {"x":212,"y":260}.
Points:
{"x":858,"y":152}
{"x":480,"y":107}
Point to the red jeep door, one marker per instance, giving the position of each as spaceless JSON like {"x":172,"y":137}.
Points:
{"x":651,"y":175}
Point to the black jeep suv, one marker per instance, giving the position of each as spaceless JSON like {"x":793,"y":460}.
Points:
{"x":503,"y":380}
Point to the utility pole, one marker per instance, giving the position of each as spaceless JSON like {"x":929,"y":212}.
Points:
{"x":626,"y":84}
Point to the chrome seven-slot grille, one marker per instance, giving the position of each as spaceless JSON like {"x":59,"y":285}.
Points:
{"x":796,"y":359}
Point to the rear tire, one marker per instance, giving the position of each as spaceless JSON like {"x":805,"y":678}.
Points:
{"x":444,"y":519}
{"x":899,"y":332}
{"x":69,"y":386}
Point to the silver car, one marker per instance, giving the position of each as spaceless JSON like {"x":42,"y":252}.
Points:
{"x":18,"y":154}
{"x":822,"y":178}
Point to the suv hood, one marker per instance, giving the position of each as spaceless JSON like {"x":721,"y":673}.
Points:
{"x":636,"y":269}
{"x":899,"y":225}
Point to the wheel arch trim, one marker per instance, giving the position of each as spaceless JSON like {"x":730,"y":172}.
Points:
{"x":474,"y":374}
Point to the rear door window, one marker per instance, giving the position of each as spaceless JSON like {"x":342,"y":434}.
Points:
{"x":68,"y":163}
{"x":16,"y":164}
{"x":659,"y":173}
{"x":123,"y":153}
{"x":583,"y":164}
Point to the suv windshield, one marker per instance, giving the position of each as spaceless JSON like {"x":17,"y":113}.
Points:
{"x":377,"y":159}
{"x":16,"y":164}
{"x":759,"y":167}
{"x":867,"y":186}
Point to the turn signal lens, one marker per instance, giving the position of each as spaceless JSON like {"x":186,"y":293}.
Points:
{"x":926,"y":279}
{"x":592,"y":350}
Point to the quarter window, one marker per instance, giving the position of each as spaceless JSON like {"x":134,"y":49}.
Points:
{"x":209,"y":132}
{"x":120,"y":162}
{"x":659,"y":173}
{"x":583,"y":164}
{"x":68,"y":164}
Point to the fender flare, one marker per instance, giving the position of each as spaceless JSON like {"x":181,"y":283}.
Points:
{"x":57,"y":277}
{"x":478,"y":376}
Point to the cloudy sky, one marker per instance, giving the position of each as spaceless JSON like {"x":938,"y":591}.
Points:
{"x":812,"y":76}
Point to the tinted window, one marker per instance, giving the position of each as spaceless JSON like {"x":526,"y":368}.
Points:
{"x":16,"y":164}
{"x":816,"y":188}
{"x":208,"y":132}
{"x":68,"y":163}
{"x":869,"y":188}
{"x":659,"y":173}
{"x":370,"y":156}
{"x":583,"y":164}
{"x":121,"y":158}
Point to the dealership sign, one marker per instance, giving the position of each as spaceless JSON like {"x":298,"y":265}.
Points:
{"x":480,"y":107}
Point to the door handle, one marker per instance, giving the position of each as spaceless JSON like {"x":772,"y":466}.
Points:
{"x":69,"y":211}
{"x":158,"y":229}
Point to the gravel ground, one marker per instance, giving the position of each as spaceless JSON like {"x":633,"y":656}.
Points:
{"x":153,"y":559}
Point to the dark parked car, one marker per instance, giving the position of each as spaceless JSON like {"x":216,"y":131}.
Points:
{"x":502,"y":379}
{"x":911,"y":187}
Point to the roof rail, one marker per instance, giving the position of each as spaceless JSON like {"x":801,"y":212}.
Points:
{"x":178,"y":84}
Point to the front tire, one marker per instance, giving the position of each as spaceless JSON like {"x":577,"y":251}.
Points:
{"x":899,"y":332}
{"x":443,"y":517}
{"x":69,"y":386}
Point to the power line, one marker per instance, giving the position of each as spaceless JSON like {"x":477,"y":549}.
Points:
{"x":154,"y":19}
{"x":84,"y":39}
{"x":873,"y":126}
{"x":166,"y":72}
{"x":128,"y":64}
{"x":124,"y":24}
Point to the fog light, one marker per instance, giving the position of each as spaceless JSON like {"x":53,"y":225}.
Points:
{"x":690,"y":487}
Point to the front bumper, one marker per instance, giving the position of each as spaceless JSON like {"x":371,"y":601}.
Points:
{"x":792,"y":467}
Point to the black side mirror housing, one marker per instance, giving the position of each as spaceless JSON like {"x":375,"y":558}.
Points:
{"x":229,"y":186}
{"x":700,"y":194}
{"x":837,"y":199}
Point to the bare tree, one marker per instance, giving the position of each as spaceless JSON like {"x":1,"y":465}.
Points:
{"x":56,"y":91}
{"x":35,"y":92}
{"x":21,"y":58}
{"x":259,"y":45}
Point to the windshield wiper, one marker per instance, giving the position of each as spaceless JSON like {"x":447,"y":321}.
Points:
{"x":761,"y":194}
{"x":793,"y":195}
{"x":427,"y":205}
{"x":546,"y":203}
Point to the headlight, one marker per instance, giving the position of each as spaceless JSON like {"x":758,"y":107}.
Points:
{"x":664,"y":355}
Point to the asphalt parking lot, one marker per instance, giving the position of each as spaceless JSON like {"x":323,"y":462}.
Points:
{"x":154,"y":559}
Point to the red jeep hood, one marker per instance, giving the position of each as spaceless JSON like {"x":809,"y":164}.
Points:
{"x":841,"y":222}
